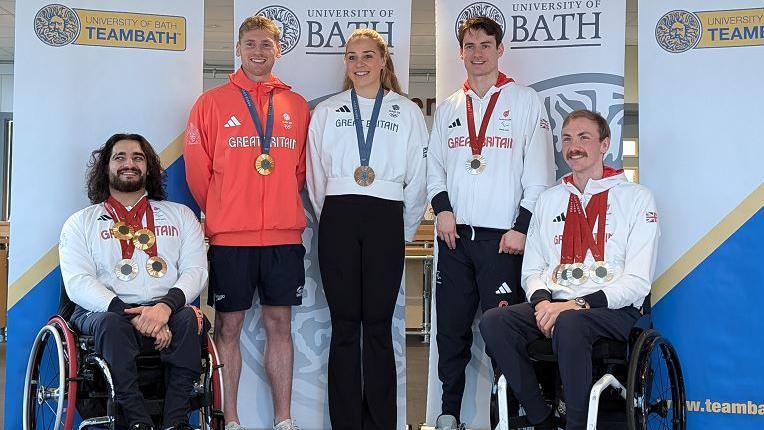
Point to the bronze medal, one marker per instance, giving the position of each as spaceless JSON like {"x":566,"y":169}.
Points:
{"x":476,"y":164}
{"x":122,"y":231}
{"x":264,"y":164}
{"x":601,"y":272}
{"x":364,"y":175}
{"x":144,"y":239}
{"x":126,"y":270}
{"x":156,"y":266}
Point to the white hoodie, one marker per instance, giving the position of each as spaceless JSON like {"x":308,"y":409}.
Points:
{"x":397,"y":154}
{"x":89,"y":254}
{"x":631,"y":245}
{"x":518,"y":152}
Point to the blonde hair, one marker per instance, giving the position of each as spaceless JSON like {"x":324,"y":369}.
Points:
{"x":387,"y":78}
{"x":259,"y":22}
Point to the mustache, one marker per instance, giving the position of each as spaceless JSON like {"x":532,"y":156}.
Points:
{"x":575,"y":152}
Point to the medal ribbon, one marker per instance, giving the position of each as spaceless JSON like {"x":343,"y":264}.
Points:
{"x":476,"y":142}
{"x":265,"y":138}
{"x":364,"y":145}
{"x":577,"y":236}
{"x":132,"y":218}
{"x":151,"y":252}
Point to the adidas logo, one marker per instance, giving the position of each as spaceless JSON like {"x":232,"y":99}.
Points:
{"x":104,"y":217}
{"x":559,"y":218}
{"x":343,"y":108}
{"x":455,"y":124}
{"x":233,"y":122}
{"x":503,"y":289}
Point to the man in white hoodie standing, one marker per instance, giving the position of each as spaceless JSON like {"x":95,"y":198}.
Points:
{"x":588,"y":266}
{"x":489,"y":157}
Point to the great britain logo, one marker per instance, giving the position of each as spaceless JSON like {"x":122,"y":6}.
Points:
{"x":288,"y":24}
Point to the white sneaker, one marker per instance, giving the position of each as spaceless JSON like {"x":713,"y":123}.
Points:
{"x":287,"y":424}
{"x":233,"y":425}
{"x":446,"y":422}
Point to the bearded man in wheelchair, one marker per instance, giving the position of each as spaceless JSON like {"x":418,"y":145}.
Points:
{"x":131,"y":263}
{"x":587,"y":270}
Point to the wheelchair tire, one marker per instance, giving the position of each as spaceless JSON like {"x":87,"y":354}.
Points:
{"x":655,"y":386}
{"x":211,"y":416}
{"x":46,"y":383}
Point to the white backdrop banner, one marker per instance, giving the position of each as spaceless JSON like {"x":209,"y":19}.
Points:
{"x":572,"y":54}
{"x":701,"y":151}
{"x":84,"y":70}
{"x":312,"y":45}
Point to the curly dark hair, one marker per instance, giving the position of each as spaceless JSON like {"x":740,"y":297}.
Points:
{"x":98,"y":170}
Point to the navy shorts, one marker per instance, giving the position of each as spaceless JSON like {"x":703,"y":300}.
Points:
{"x":277,"y":273}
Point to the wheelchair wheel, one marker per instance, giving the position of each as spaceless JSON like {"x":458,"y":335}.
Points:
{"x":48,"y":404}
{"x":211,"y":415}
{"x":655,"y":387}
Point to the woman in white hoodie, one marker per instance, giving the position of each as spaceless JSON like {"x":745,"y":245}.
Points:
{"x":366,"y":178}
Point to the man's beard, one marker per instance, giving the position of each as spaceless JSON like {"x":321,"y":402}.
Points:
{"x":127,"y":186}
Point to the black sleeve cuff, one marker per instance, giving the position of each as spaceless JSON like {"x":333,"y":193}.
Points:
{"x":174,"y":299}
{"x":523,"y":221}
{"x":597,"y":299}
{"x":539,"y":296}
{"x":117,"y":306}
{"x":441,"y":203}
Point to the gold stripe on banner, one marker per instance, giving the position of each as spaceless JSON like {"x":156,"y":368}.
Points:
{"x":708,"y":244}
{"x":173,"y":151}
{"x":33,"y":276}
{"x":49,"y":261}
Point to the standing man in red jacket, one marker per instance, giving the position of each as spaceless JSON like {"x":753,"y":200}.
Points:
{"x":245,"y":165}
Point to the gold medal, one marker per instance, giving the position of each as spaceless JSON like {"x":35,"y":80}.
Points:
{"x":560,"y":275}
{"x":144,"y":239}
{"x":264,"y":164}
{"x":577,"y":273}
{"x":122,"y":231}
{"x":156,"y":266}
{"x":126,"y":270}
{"x":364,"y":175}
{"x":476,"y":164}
{"x":601,"y":272}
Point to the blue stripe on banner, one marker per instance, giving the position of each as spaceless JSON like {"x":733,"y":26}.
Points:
{"x":177,"y":188}
{"x":24,"y":321}
{"x":32,"y":312}
{"x":713,"y":318}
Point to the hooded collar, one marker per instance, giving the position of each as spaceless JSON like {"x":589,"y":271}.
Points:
{"x":610,"y":178}
{"x":501,"y":81}
{"x":242,"y":81}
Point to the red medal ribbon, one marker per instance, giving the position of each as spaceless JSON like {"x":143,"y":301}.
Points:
{"x":574,"y":242}
{"x":476,"y":142}
{"x":133,"y":218}
{"x":151,"y":252}
{"x":577,"y":236}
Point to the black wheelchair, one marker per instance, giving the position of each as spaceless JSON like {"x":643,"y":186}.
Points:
{"x":653,"y":396}
{"x":65,"y":376}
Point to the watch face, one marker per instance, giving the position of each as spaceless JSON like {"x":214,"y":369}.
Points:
{"x":581,"y":302}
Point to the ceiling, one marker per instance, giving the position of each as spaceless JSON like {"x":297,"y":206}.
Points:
{"x":218,"y":31}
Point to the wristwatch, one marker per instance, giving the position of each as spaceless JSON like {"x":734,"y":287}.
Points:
{"x":581,"y":302}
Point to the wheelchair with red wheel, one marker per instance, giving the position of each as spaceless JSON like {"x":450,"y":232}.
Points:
{"x":638,"y":385}
{"x":65,"y":376}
